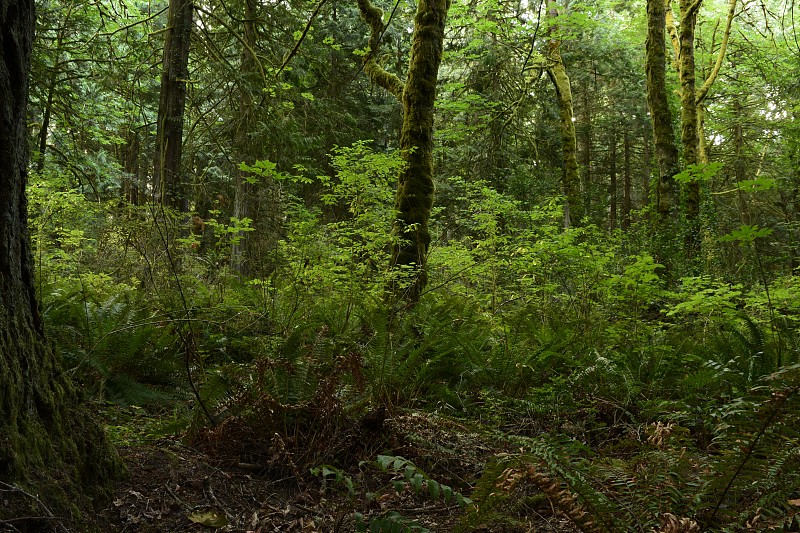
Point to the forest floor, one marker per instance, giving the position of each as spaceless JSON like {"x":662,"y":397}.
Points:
{"x":178,"y":487}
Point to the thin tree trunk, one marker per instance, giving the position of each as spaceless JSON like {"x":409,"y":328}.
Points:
{"x":47,"y":443}
{"x":626,"y":183}
{"x":612,"y":182}
{"x":647,"y":171}
{"x":573,"y":214}
{"x":586,"y":174}
{"x":168,"y":177}
{"x":739,"y":166}
{"x":243,"y":189}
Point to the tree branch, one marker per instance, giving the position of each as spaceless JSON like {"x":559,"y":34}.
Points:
{"x":237,"y":37}
{"x":703,"y":91}
{"x":673,"y":33}
{"x":380,"y":76}
{"x":302,"y":36}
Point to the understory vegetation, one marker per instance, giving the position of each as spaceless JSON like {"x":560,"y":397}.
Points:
{"x":542,"y":271}
{"x":633,"y":404}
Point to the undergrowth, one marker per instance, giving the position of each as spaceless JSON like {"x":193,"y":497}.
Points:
{"x":635,"y":401}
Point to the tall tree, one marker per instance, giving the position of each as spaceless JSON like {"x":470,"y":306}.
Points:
{"x":414,"y":198}
{"x":569,"y":145}
{"x":168,"y":178}
{"x":692,"y":99}
{"x":48,"y":445}
{"x":663,"y":135}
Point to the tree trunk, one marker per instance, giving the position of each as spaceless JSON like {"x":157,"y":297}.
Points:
{"x":414,"y":198}
{"x":168,"y":177}
{"x":647,"y":172}
{"x":586,"y":171}
{"x":48,"y":446}
{"x":612,"y":182}
{"x":626,"y":181}
{"x":663,"y":135}
{"x":558,"y":75}
{"x":243,"y":189}
{"x":689,"y":137}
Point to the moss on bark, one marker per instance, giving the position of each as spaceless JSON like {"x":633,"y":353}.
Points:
{"x":415,"y":189}
{"x":689,"y":137}
{"x":663,"y":134}
{"x":54,"y":459}
{"x":569,"y":144}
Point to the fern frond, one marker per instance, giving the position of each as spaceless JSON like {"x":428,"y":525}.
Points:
{"x":757,"y":443}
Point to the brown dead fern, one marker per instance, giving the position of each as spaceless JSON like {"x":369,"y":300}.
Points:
{"x":672,"y":524}
{"x":560,"y":498}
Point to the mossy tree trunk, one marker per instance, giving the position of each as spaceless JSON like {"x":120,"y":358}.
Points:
{"x":569,"y":144}
{"x":417,"y":94}
{"x":692,"y":102}
{"x":689,"y":137}
{"x":663,"y":134}
{"x":49,"y":446}
{"x":167,"y":175}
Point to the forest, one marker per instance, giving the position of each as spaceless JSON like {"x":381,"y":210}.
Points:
{"x":399,"y":266}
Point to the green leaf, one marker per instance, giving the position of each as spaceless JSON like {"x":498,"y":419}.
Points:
{"x":433,"y":489}
{"x":746,"y":234}
{"x":416,"y":483}
{"x":758,"y":184}
{"x":209,"y":518}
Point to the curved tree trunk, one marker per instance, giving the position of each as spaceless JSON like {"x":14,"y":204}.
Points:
{"x":48,"y":446}
{"x":569,"y":144}
{"x":414,"y":198}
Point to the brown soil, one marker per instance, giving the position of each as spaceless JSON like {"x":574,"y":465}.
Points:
{"x":175,"y":488}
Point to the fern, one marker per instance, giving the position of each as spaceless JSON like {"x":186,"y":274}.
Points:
{"x":431,"y":353}
{"x":115,"y":348}
{"x":756,"y":471}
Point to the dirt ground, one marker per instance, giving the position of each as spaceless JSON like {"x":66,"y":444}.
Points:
{"x":174,"y":487}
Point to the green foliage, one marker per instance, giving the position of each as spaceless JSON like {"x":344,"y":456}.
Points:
{"x":404,"y":476}
{"x":703,"y":172}
{"x":418,"y":481}
{"x":748,"y":483}
{"x":118,"y":351}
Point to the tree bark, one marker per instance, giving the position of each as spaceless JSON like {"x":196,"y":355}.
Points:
{"x":414,"y":198}
{"x":558,"y":75}
{"x":612,"y":182}
{"x":689,"y":137}
{"x":243,"y":189}
{"x":663,"y":134}
{"x":168,"y":177}
{"x":626,"y":181}
{"x":49,"y":446}
{"x":587,"y":170}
